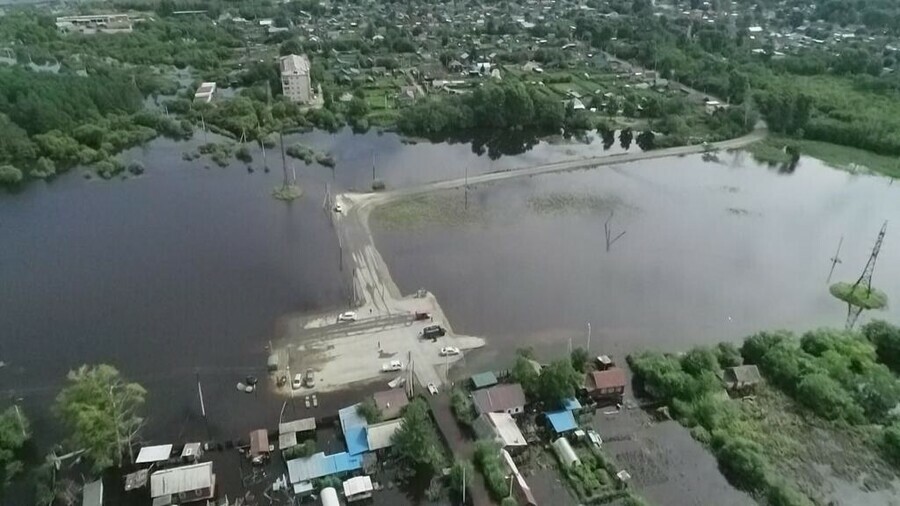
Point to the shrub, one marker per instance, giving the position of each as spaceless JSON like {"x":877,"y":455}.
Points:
{"x":369,"y":411}
{"x":728,"y":355}
{"x":461,"y":406}
{"x":742,"y":461}
{"x":243,"y":154}
{"x":136,"y":168}
{"x":698,"y":360}
{"x":10,"y":175}
{"x":487,"y":459}
{"x":756,"y":346}
{"x":108,"y":168}
{"x":828,"y":399}
{"x":886,"y":338}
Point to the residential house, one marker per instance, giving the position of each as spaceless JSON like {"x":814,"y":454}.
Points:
{"x":295,"y":80}
{"x":608,"y":385}
{"x":505,"y":398}
{"x":358,"y":488}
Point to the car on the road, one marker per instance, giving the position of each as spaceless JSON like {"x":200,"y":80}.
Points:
{"x":448,"y":351}
{"x":338,"y":208}
{"x":393,"y":365}
{"x":594,"y":438}
{"x":432,"y":389}
{"x":347,"y":316}
{"x":433,"y":332}
{"x":309,"y":379}
{"x":298,"y":381}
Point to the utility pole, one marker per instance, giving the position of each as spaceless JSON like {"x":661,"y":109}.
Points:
{"x":835,"y":260}
{"x":373,"y":166}
{"x":467,"y":188}
{"x":283,"y":158}
{"x":865,"y":279}
{"x":203,"y":123}
{"x":464,"y":486}
{"x":589,"y":338}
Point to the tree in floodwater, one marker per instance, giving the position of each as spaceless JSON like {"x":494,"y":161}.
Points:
{"x":100,"y":409}
{"x":416,"y":444}
{"x":14,"y":433}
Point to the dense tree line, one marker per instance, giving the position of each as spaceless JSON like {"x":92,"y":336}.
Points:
{"x":841,"y":376}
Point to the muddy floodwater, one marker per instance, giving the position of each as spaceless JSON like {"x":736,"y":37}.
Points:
{"x":707,"y":250}
{"x":711,"y":251}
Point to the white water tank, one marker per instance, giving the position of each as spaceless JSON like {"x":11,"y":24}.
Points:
{"x":330,"y":497}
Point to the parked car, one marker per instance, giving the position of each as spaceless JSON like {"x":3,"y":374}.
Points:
{"x":447,"y":351}
{"x":393,"y":365}
{"x":432,"y":389}
{"x":422,"y":315}
{"x":594,"y":438}
{"x":338,"y":208}
{"x":348,"y":316}
{"x":298,"y":381}
{"x":309,"y":379}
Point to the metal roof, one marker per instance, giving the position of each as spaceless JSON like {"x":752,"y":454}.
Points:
{"x":319,"y":465}
{"x":153,"y":454}
{"x":390,"y":402}
{"x":742,"y":374}
{"x":571,"y":404}
{"x":564,"y":451}
{"x":191,"y":451}
{"x":379,"y":435}
{"x":354,"y":427}
{"x":329,"y":497}
{"x":499,"y":398}
{"x":610,"y":378}
{"x":505,"y":429}
{"x":357,"y":485}
{"x":92,"y":495}
{"x":294,"y":64}
{"x":287,"y":440}
{"x":304,"y":425}
{"x":259,"y":442}
{"x":561,"y":421}
{"x":484,"y":379}
{"x":181,"y":479}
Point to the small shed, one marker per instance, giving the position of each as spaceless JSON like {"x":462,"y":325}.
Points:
{"x":259,"y":443}
{"x":380,"y":435}
{"x":741,"y":377}
{"x":181,"y":484}
{"x":483,"y":380}
{"x":561,"y":421}
{"x":304,"y":425}
{"x":358,"y":488}
{"x":92,"y":494}
{"x":565,"y":453}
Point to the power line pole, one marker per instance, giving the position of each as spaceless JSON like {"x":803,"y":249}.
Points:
{"x":865,"y":279}
{"x":589,"y":338}
{"x":835,"y":260}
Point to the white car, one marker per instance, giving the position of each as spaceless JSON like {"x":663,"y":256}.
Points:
{"x":298,"y":381}
{"x":447,"y":351}
{"x":432,"y":389}
{"x":349,"y":316}
{"x":393,"y":365}
{"x":338,"y":208}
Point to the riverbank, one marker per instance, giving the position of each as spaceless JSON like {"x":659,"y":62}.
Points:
{"x":773,"y":150}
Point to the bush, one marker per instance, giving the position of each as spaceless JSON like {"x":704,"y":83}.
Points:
{"x":136,"y":168}
{"x":44,"y":167}
{"x":461,"y":406}
{"x":698,"y":360}
{"x":369,"y":411}
{"x":301,"y":450}
{"x":243,"y":154}
{"x":10,"y":175}
{"x":825,"y":397}
{"x":742,"y":461}
{"x":108,"y":168}
{"x":487,"y":459}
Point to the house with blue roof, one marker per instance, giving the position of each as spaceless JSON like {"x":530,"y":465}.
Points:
{"x":353,"y":425}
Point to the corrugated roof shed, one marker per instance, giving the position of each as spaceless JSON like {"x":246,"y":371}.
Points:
{"x":746,"y":374}
{"x":390,"y":402}
{"x":304,"y":425}
{"x":484,"y":379}
{"x":561,"y":421}
{"x":287,"y":440}
{"x":92,"y":495}
{"x":156,"y":453}
{"x":354,"y":427}
{"x":379,"y":435}
{"x":571,"y":404}
{"x":319,"y":465}
{"x":259,"y":442}
{"x":499,"y":398}
{"x":181,"y":479}
{"x":191,"y":451}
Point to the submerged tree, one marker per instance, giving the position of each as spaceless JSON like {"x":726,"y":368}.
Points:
{"x":416,"y":443}
{"x":100,"y":409}
{"x":14,"y":433}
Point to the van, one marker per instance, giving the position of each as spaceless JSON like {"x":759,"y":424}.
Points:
{"x":433,"y":332}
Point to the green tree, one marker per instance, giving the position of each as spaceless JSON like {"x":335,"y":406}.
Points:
{"x":14,"y":433}
{"x":368,"y":410}
{"x":101,"y":411}
{"x":580,"y":359}
{"x":828,"y":399}
{"x":523,"y":373}
{"x":886,"y":338}
{"x":461,"y":475}
{"x":557,"y":382}
{"x":415,"y":443}
{"x":891,"y":442}
{"x":728,"y":355}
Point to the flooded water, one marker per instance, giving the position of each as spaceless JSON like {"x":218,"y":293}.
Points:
{"x":710,"y":252}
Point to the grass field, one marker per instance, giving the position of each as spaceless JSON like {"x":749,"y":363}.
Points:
{"x":772,"y":150}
